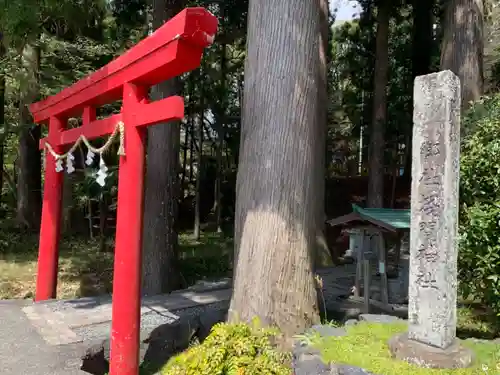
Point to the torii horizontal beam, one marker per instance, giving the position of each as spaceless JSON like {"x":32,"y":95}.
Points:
{"x":168,"y":109}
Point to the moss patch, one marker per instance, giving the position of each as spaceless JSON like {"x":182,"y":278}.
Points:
{"x":366,"y":346}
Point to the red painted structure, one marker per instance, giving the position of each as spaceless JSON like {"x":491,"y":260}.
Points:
{"x":173,"y":49}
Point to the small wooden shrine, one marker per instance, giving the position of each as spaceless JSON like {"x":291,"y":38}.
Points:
{"x":368,"y":230}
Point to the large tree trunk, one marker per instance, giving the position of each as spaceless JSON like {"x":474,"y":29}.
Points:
{"x":462,"y":46}
{"x":276,"y":208}
{"x":29,"y":184}
{"x":160,"y":241}
{"x":377,"y":136}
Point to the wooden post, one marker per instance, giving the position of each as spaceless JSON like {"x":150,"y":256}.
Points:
{"x":50,"y":229}
{"x":399,"y":238}
{"x":366,"y":291}
{"x":359,"y":265}
{"x":382,"y":269}
{"x":126,"y":314}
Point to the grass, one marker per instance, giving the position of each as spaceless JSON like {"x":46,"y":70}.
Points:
{"x":85,"y":271}
{"x":366,"y":346}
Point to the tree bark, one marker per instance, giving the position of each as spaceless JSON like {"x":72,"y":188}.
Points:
{"x":29,"y":184}
{"x":184,"y":156}
{"x":197,"y":207}
{"x":221,"y":117}
{"x":462,"y":46}
{"x":422,"y":49}
{"x":103,"y":221}
{"x":160,"y":241}
{"x":191,"y":147}
{"x":2,"y":115}
{"x":322,"y":257}
{"x":377,"y":139}
{"x":276,"y":209}
{"x":422,"y":36}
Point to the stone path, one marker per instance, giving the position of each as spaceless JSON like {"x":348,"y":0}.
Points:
{"x":24,"y":352}
{"x":75,"y":321}
{"x":50,"y":338}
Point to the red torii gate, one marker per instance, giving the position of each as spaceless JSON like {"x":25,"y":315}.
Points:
{"x":173,"y":49}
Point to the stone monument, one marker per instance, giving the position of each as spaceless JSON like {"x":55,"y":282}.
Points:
{"x":432,"y":318}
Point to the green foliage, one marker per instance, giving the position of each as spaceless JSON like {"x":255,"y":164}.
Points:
{"x":233,"y":349}
{"x":479,"y":257}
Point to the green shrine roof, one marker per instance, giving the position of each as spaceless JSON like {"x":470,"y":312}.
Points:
{"x":386,"y":218}
{"x":399,"y":219}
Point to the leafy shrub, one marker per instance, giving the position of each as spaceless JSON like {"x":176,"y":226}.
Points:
{"x":233,"y":349}
{"x":479,"y":256}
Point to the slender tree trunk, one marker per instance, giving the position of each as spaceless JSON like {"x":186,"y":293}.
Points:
{"x":197,"y":209}
{"x":199,"y":172}
{"x":184,"y":156}
{"x":160,"y":241}
{"x":29,"y":184}
{"x":377,"y":140}
{"x":90,"y":220}
{"x":228,"y":160}
{"x":103,"y":218}
{"x":323,"y":257}
{"x":218,"y":180}
{"x":67,"y":205}
{"x":221,"y":119}
{"x":422,"y":48}
{"x":191,"y":148}
{"x":422,"y":36}
{"x":2,"y":115}
{"x":462,"y":47}
{"x":276,"y":209}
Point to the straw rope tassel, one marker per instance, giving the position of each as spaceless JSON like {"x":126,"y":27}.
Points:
{"x":118,"y":132}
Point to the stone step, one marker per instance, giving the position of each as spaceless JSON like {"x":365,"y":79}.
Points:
{"x":73,"y":321}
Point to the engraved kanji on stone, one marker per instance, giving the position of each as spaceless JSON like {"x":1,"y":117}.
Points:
{"x":427,"y":227}
{"x":431,"y":176}
{"x":425,"y":279}
{"x":431,"y":203}
{"x":428,"y":251}
{"x":430,"y":148}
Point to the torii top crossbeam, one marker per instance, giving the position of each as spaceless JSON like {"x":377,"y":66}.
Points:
{"x":173,"y":49}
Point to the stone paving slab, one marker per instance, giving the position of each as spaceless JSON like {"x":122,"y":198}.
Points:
{"x":74,"y":321}
{"x":24,"y":352}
